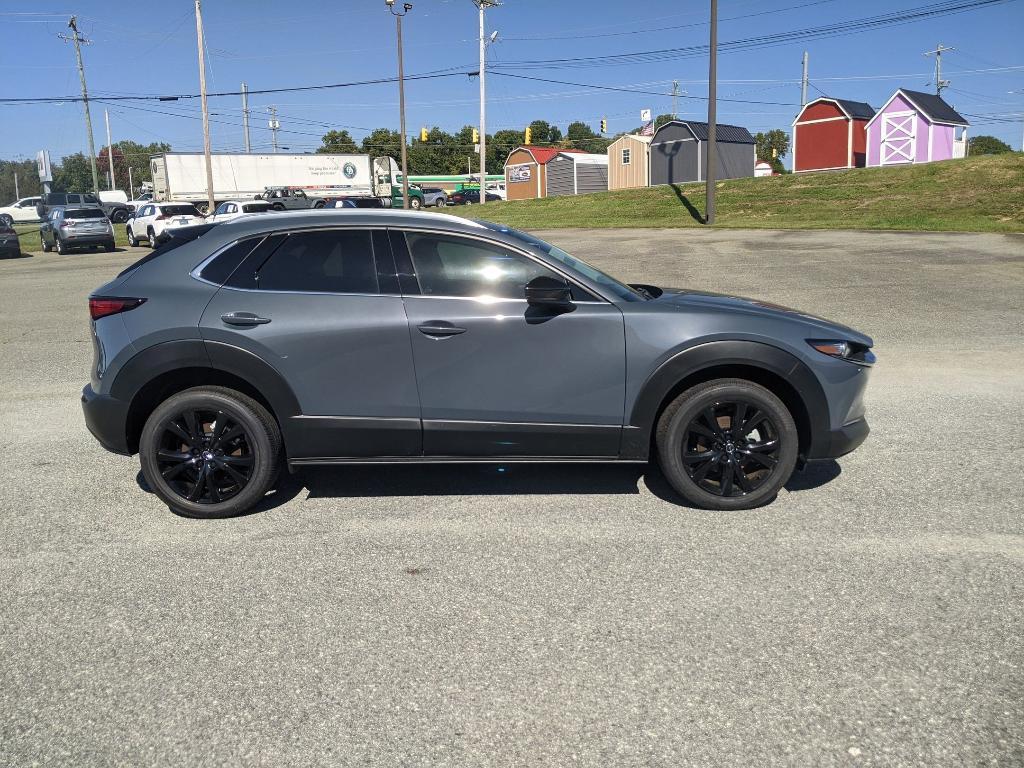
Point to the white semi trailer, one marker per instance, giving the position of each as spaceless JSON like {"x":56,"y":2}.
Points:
{"x":181,"y":176}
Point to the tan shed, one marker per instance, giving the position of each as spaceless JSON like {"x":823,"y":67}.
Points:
{"x":526,"y":173}
{"x":629,"y":162}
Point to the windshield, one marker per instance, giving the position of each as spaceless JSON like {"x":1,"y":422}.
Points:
{"x":83,"y":213}
{"x":621,"y":290}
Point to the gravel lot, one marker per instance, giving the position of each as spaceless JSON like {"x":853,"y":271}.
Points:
{"x":550,"y":616}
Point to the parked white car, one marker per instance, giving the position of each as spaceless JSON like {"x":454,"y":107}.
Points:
{"x":232,"y":209}
{"x":152,"y":220}
{"x":498,"y":188}
{"x":21,"y":211}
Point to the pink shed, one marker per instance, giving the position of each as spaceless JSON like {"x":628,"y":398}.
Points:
{"x":915,"y":127}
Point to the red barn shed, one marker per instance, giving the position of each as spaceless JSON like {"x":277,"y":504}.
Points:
{"x":830,"y":134}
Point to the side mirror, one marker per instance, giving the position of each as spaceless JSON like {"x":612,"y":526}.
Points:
{"x":546,"y":291}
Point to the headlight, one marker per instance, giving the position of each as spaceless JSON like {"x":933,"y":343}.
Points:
{"x":850,"y":351}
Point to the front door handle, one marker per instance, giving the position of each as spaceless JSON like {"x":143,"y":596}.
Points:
{"x":439,"y":329}
{"x":244,"y":318}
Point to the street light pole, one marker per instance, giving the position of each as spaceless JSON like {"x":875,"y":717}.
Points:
{"x":709,"y":194}
{"x":406,"y":7}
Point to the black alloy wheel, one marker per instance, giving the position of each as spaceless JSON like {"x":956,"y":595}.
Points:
{"x":727,"y":444}
{"x":210,"y":452}
{"x":731,"y":448}
{"x":205,"y":455}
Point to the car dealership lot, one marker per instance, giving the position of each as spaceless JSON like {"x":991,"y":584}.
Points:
{"x":543,"y":615}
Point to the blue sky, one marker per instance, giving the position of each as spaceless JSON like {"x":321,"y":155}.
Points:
{"x":150,"y":48}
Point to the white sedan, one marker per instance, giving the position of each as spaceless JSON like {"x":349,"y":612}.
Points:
{"x":153,"y":219}
{"x":232,"y":209}
{"x":21,"y":210}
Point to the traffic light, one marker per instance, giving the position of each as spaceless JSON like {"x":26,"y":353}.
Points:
{"x":528,"y":135}
{"x":476,"y":136}
{"x":604,"y":125}
{"x":423,"y":135}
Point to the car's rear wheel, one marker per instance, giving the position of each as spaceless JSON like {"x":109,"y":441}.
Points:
{"x":151,"y":237}
{"x":727,"y":444}
{"x":61,"y":248}
{"x":45,"y":245}
{"x":210,"y":452}
{"x":131,"y":238}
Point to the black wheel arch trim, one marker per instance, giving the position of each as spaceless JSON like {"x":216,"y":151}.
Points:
{"x":690,"y":362}
{"x":192,"y":354}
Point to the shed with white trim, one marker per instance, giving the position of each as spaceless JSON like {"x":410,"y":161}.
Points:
{"x":577,"y":173}
{"x":679,"y":152}
{"x":629,"y":162}
{"x":829,"y":134}
{"x":915,"y":127}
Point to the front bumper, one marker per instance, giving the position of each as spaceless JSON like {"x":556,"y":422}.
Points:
{"x":842,"y":441}
{"x":106,"y":417}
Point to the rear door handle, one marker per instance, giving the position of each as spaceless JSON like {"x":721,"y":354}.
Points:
{"x":439,"y":329}
{"x":244,"y":318}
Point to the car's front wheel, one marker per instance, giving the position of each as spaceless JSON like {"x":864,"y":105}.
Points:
{"x":151,"y":238}
{"x":210,"y":452}
{"x":131,"y":238}
{"x":61,"y":248}
{"x":727,"y":444}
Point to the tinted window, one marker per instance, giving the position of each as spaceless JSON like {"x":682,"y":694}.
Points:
{"x":255,"y":207}
{"x":222,"y":208}
{"x":220,"y":269}
{"x":337,"y":261}
{"x":449,"y":266}
{"x":179,"y":210}
{"x":83,"y":213}
{"x":176,"y":237}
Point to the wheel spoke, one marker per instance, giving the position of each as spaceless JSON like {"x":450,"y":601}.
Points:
{"x":220,"y":423}
{"x":172,"y":472}
{"x":699,"y":429}
{"x":234,"y":474}
{"x":741,"y":477}
{"x":765,"y":447}
{"x":237,"y":461}
{"x":192,"y":420}
{"x":197,"y":490}
{"x":762,"y":459}
{"x":166,"y":455}
{"x":709,"y":417}
{"x":702,"y":472}
{"x":694,"y":458}
{"x":211,"y":484}
{"x":725,"y":484}
{"x":228,"y":436}
{"x":738,"y":418}
{"x":179,"y":431}
{"x":748,"y":425}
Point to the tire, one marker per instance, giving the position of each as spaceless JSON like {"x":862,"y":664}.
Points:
{"x":6,"y":219}
{"x":740,"y":472}
{"x":131,"y":238}
{"x":150,"y":238}
{"x":120,"y":216}
{"x":319,"y":204}
{"x":415,"y":203}
{"x":45,"y":245}
{"x":173,"y":443}
{"x":61,"y":248}
{"x":109,"y":247}
{"x":277,"y":207}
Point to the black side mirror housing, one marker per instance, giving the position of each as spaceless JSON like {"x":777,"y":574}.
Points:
{"x":547,"y":291}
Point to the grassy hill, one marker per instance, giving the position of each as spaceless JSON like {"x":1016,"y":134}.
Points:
{"x":978,"y":194}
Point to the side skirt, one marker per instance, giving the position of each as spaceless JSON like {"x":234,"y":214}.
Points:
{"x":324,"y":461}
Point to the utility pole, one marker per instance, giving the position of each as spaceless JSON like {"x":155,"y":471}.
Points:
{"x":206,"y":112}
{"x":274,"y":124}
{"x":110,"y":147}
{"x":481,"y":6}
{"x":675,"y":99}
{"x":937,"y":53}
{"x":245,"y":116}
{"x":803,"y":83}
{"x":131,"y":189}
{"x":406,"y":7}
{"x":17,"y":194}
{"x":709,"y":176}
{"x":78,"y":40}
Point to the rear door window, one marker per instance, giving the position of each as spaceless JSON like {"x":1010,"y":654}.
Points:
{"x":179,"y":210}
{"x":329,"y":261}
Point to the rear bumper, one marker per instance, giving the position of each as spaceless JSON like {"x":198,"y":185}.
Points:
{"x":842,"y":441}
{"x":10,"y":249}
{"x":106,"y":418}
{"x":78,"y":241}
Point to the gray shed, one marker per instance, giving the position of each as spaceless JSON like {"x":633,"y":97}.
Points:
{"x":679,"y":152}
{"x":577,"y":173}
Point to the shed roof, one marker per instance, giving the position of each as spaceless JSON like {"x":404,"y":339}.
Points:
{"x":545,"y":155}
{"x":859,"y":110}
{"x":934,"y":107}
{"x":723,"y":132}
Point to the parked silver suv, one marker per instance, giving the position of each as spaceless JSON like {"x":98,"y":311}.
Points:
{"x":68,"y":228}
{"x":348,"y":336}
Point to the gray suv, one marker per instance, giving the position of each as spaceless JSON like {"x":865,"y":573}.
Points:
{"x":351,"y":336}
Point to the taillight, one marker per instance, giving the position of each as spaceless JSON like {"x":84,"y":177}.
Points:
{"x":66,"y":223}
{"x":162,"y":216}
{"x":101,"y":306}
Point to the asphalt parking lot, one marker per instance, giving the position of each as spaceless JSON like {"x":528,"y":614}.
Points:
{"x":550,"y":616}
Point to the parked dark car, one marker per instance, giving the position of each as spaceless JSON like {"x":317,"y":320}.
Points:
{"x":341,"y":337}
{"x":54,"y":199}
{"x":470,"y":197}
{"x":9,"y":243}
{"x":69,"y":228}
